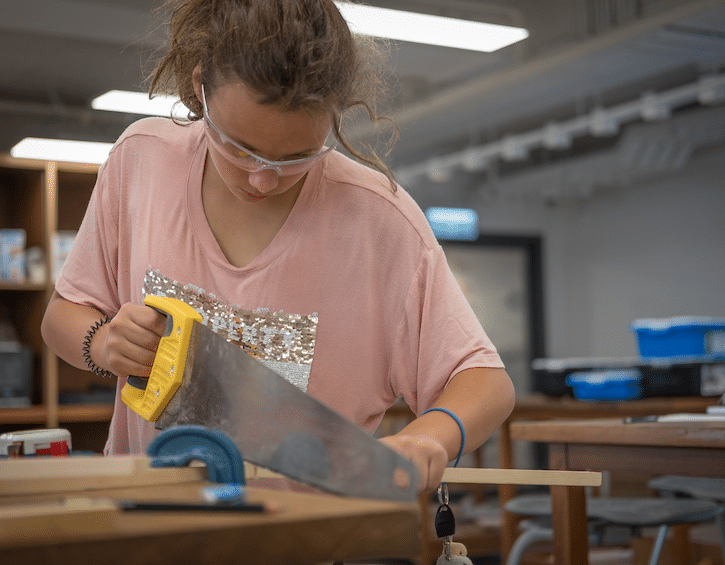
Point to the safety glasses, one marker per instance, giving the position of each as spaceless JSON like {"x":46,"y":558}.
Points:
{"x":250,"y":161}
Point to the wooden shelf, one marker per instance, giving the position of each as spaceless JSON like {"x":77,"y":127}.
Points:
{"x":43,"y":197}
{"x":11,"y":162}
{"x":27,"y":286}
{"x":32,"y":415}
{"x":67,"y":413}
{"x":85,"y":412}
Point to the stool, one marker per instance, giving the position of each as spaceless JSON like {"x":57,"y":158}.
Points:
{"x":700,"y":488}
{"x":635,"y":513}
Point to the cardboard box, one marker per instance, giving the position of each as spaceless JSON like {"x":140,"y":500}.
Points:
{"x":12,"y":255}
{"x":62,"y":244}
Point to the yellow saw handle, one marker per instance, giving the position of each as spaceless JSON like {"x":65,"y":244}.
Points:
{"x":168,"y":368}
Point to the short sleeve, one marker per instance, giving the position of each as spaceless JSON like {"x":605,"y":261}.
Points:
{"x":89,"y":275}
{"x":438,"y":335}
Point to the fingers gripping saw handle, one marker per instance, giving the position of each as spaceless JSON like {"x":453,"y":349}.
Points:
{"x":167,"y":372}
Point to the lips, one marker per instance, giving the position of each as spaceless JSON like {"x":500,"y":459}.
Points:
{"x":252,"y":196}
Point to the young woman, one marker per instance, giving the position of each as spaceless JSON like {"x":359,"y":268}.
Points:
{"x":321,"y":264}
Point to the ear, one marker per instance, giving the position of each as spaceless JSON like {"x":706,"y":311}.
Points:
{"x":196,"y":81}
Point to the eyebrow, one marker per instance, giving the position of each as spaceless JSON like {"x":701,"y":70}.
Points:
{"x":244,"y":145}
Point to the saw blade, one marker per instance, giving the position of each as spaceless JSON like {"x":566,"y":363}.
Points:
{"x":278,"y":426}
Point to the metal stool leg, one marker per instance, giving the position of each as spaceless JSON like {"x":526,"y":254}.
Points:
{"x":659,"y":542}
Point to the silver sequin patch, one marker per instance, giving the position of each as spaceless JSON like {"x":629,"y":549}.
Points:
{"x":284,"y":342}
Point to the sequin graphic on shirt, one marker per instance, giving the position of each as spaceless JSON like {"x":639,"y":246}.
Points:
{"x":283,"y":342}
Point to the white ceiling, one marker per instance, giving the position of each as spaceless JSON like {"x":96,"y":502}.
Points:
{"x":59,"y":54}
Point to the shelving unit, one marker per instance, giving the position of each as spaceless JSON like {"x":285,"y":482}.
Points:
{"x":43,"y":197}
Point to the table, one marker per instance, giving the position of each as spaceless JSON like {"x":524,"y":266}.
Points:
{"x":541,"y":407}
{"x":57,"y":511}
{"x":682,"y":448}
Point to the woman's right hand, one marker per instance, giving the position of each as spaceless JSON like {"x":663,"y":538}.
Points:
{"x":127,"y":344}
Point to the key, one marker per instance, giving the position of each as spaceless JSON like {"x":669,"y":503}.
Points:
{"x":445,"y":523}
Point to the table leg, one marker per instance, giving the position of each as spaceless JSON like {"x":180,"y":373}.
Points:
{"x":510,"y":522}
{"x":569,"y":520}
{"x":681,"y":546}
{"x":569,"y":515}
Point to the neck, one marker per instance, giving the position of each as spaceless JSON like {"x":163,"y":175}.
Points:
{"x":217,"y":193}
{"x":243,"y":229}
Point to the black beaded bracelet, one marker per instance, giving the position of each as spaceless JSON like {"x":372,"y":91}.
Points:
{"x":87,"y":349}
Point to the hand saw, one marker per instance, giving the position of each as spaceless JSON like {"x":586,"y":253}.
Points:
{"x":199,"y":378}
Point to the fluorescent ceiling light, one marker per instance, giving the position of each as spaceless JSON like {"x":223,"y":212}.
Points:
{"x":138,"y":103}
{"x":433,"y":30}
{"x":62,"y":150}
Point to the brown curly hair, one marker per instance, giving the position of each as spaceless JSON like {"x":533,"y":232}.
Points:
{"x":296,"y":54}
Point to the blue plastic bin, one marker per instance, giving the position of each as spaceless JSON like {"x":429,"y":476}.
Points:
{"x":681,"y":336}
{"x":606,"y":385}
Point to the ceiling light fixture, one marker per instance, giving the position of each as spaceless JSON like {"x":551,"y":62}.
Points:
{"x":62,"y":150}
{"x":428,"y":29}
{"x":474,"y":160}
{"x":555,"y":137}
{"x":139,"y":103}
{"x":653,"y":108}
{"x":602,"y":123}
{"x":711,"y":89}
{"x":514,"y":149}
{"x":438,"y":171}
{"x":599,"y":122}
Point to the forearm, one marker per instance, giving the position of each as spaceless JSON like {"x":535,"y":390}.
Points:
{"x":65,"y":326}
{"x":481,"y":398}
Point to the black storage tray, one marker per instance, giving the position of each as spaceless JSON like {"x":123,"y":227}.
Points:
{"x":661,"y":376}
{"x":16,"y":376}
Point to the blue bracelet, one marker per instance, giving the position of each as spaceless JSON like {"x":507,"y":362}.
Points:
{"x":460,"y":425}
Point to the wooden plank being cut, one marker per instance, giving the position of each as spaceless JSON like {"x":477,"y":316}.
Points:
{"x":36,"y":475}
{"x":487,"y":476}
{"x":522,"y":477}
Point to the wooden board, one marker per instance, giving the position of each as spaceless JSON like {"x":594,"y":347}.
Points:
{"x":31,"y":475}
{"x":470,"y":475}
{"x":26,"y":520}
{"x":522,"y":477}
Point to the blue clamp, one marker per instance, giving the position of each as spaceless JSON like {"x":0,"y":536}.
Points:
{"x":178,"y":446}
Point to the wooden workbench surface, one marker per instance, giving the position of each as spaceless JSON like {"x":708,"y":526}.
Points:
{"x":86,"y":526}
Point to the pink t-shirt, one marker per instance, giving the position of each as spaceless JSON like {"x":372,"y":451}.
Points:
{"x":390,"y":321}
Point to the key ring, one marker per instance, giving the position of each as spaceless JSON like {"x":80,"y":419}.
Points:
{"x":443,"y":493}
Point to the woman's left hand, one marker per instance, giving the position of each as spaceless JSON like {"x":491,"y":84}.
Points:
{"x":428,"y":456}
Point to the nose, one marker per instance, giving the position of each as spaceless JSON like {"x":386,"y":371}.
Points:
{"x":264,"y":180}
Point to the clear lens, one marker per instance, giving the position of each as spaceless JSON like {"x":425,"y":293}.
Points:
{"x":248,"y":161}
{"x":253,"y":164}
